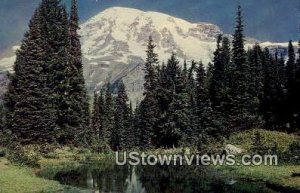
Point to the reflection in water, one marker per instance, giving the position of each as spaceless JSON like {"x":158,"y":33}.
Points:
{"x":109,"y":178}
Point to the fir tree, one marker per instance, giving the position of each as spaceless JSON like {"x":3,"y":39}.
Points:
{"x":171,"y":124}
{"x":130,"y":134}
{"x":182,"y":102}
{"x":290,"y":67}
{"x":272,"y":89}
{"x":291,"y":87}
{"x":191,"y":130}
{"x":96,"y":115}
{"x":217,"y":80}
{"x":205,"y":124}
{"x":121,"y":128}
{"x":148,"y":107}
{"x":31,"y":117}
{"x":79,"y":106}
{"x":108,"y":122}
{"x":244,"y":114}
{"x":56,"y":32}
{"x":101,"y":116}
{"x":297,"y":90}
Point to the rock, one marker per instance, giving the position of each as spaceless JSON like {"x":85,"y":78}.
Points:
{"x":233,"y":150}
{"x":231,"y":182}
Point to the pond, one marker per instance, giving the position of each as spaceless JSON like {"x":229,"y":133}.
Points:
{"x":106,"y":177}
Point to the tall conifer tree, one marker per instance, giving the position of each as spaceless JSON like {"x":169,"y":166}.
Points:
{"x":108,"y":122}
{"x":79,"y":106}
{"x":30,"y":115}
{"x":148,"y":107}
{"x":121,"y":128}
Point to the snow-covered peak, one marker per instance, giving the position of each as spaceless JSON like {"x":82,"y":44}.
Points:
{"x":125,"y":31}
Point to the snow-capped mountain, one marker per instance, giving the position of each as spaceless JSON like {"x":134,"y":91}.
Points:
{"x":114,"y":44}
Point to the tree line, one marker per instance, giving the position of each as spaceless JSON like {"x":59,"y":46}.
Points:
{"x":241,"y":89}
{"x":183,"y":104}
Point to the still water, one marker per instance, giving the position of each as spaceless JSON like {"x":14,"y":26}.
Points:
{"x":109,"y":178}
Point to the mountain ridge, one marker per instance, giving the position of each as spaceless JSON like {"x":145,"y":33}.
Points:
{"x":114,"y":43}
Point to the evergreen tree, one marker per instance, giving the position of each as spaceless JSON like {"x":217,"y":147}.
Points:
{"x":30,"y":116}
{"x":291,"y":88}
{"x":209,"y":76}
{"x":205,"y":125}
{"x":108,"y":122}
{"x":191,"y":130}
{"x":96,"y":115}
{"x":226,"y":87}
{"x":101,"y":116}
{"x":272,"y":90}
{"x":56,"y":32}
{"x":217,"y":80}
{"x":297,"y":91}
{"x":79,"y":106}
{"x":170,"y":123}
{"x":121,"y":128}
{"x":290,"y":67}
{"x":130,"y":134}
{"x":182,"y":104}
{"x":254,"y":60}
{"x":137,"y":127}
{"x":244,"y":114}
{"x":148,"y":106}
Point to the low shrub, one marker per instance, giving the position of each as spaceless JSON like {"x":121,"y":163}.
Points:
{"x":24,"y":155}
{"x":259,"y":140}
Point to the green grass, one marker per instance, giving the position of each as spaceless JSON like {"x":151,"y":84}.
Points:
{"x":277,"y":175}
{"x":244,"y":139}
{"x":14,"y":179}
{"x":280,"y":175}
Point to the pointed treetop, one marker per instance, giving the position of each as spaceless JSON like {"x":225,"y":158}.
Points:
{"x":74,"y":18}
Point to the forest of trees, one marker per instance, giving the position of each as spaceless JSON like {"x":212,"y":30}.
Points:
{"x":183,"y":104}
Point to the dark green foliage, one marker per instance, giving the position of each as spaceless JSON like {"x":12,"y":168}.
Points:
{"x":46,"y":100}
{"x":79,"y":106}
{"x":108,"y":119}
{"x":30,"y":113}
{"x":24,"y":155}
{"x":101,"y":115}
{"x":217,"y":80}
{"x":96,"y":123}
{"x":258,"y":146}
{"x":56,"y":33}
{"x":294,"y":152}
{"x":291,"y":87}
{"x":244,"y":101}
{"x":273,"y":98}
{"x":148,"y":108}
{"x":122,"y":126}
{"x":206,"y":125}
{"x":130,"y":134}
{"x":173,"y":121}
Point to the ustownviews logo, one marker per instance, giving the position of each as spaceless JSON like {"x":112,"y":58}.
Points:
{"x":142,"y":158}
